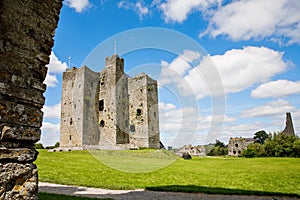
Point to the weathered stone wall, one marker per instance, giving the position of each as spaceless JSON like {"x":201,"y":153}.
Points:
{"x":143,"y":112}
{"x":152,"y":110}
{"x":289,"y":128}
{"x":113,"y":93}
{"x":138,"y":112}
{"x":237,"y":145}
{"x":71,"y":124}
{"x":26,"y":37}
{"x":91,"y":129}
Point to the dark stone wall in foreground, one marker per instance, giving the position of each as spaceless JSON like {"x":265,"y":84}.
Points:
{"x":26,"y":38}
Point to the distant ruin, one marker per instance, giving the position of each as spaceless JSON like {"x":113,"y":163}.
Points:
{"x":109,"y":109}
{"x":289,"y":128}
{"x":237,"y":145}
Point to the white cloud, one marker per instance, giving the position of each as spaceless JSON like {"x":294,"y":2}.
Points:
{"x":78,"y":5}
{"x":277,"y":88}
{"x":55,"y":66}
{"x":52,"y":111}
{"x":185,"y":125}
{"x":51,"y":80}
{"x":178,"y":10}
{"x":241,"y":68}
{"x":50,"y":134}
{"x":238,"y":69}
{"x":241,"y":130}
{"x":174,"y":71}
{"x":257,"y":19}
{"x":139,"y":7}
{"x":278,"y":107}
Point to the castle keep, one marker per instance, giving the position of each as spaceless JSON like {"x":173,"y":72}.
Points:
{"x":109,"y":109}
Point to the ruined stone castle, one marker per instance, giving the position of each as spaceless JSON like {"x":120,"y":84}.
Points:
{"x":109,"y":109}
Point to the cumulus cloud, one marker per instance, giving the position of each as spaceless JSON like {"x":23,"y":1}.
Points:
{"x":178,"y":10}
{"x":185,"y":125}
{"x":55,"y":66}
{"x":277,"y":88}
{"x":52,"y":111}
{"x":78,"y":5}
{"x":51,"y":80}
{"x":241,"y":68}
{"x":278,"y":107}
{"x":256,"y":19}
{"x":175,"y":70}
{"x":237,"y":69}
{"x":50,"y":134}
{"x":139,"y":7}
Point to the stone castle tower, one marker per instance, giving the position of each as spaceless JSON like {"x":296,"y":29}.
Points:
{"x":108,"y":110}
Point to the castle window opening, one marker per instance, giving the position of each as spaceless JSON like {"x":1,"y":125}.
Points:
{"x":138,"y":112}
{"x":234,"y":152}
{"x":132,"y":128}
{"x":236,"y":145}
{"x":74,"y":106}
{"x":70,"y":137}
{"x":141,"y":104}
{"x":154,"y":114}
{"x":239,"y":152}
{"x":102,"y":123}
{"x":71,"y":121}
{"x":101,"y":105}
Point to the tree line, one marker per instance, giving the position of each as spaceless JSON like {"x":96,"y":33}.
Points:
{"x":277,"y":144}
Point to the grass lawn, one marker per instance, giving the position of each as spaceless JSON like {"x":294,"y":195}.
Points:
{"x":262,"y":176}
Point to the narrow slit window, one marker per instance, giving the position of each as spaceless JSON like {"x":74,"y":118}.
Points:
{"x":138,"y":112}
{"x":102,"y":123}
{"x":101,"y":105}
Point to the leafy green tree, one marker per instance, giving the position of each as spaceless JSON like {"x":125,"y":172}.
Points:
{"x":39,"y":146}
{"x":254,"y":150}
{"x":56,"y":144}
{"x":260,"y":137}
{"x":219,"y":149}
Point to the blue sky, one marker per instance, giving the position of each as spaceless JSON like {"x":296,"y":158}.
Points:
{"x":251,"y":47}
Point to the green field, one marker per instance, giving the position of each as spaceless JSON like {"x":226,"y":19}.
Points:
{"x":221,"y":175}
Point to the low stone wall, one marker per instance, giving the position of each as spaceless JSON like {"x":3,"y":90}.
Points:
{"x":26,"y":38}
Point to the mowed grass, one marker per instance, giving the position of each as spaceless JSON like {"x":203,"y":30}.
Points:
{"x":221,"y":175}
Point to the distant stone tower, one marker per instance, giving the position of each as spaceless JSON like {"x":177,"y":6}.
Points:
{"x":289,"y":128}
{"x":108,"y":110}
{"x":143,"y":111}
{"x":78,"y":126}
{"x":113,"y":103}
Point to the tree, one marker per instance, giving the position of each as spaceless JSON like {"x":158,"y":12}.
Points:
{"x":219,"y":149}
{"x":260,"y":137}
{"x":56,"y":144}
{"x":39,"y":146}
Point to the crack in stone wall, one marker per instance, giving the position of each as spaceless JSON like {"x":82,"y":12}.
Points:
{"x":26,"y":38}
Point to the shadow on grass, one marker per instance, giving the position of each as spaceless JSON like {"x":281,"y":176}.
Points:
{"x":215,"y":190}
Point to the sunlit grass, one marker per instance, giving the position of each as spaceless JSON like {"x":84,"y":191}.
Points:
{"x":210,"y":175}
